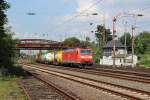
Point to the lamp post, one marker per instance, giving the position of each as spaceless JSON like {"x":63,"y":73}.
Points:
{"x":125,"y":40}
{"x":113,"y":37}
{"x":133,"y":32}
{"x":104,"y":39}
{"x":123,"y":14}
{"x":133,"y":29}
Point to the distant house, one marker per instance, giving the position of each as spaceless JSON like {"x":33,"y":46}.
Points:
{"x":121,"y":55}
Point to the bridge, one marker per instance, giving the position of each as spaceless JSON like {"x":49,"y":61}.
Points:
{"x":41,"y":44}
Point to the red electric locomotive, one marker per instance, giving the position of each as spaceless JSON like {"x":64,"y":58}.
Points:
{"x":78,"y":56}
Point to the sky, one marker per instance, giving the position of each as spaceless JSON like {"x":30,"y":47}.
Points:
{"x":59,"y":19}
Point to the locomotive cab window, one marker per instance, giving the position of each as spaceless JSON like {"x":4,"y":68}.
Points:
{"x":86,"y":52}
{"x":77,"y":52}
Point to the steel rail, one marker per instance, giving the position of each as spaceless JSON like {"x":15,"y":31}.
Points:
{"x":24,"y":90}
{"x":108,"y":74}
{"x":124,"y":72}
{"x":68,"y":95}
{"x":115,"y":92}
{"x":60,"y":90}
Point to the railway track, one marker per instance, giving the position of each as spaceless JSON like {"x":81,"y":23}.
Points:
{"x":125,"y":92}
{"x":37,"y":88}
{"x":125,"y":75}
{"x":138,"y":68}
{"x":144,"y":74}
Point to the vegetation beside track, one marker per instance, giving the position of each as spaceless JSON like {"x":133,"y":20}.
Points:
{"x":9,"y":72}
{"x":10,"y":89}
{"x":9,"y":86}
{"x":146,"y":60}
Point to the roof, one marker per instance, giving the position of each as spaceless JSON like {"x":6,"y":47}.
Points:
{"x":37,"y":41}
{"x":118,"y":44}
{"x":121,"y":55}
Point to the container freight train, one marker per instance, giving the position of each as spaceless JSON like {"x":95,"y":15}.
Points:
{"x":78,"y":57}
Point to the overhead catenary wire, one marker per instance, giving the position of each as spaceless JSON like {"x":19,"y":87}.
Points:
{"x":79,"y":13}
{"x":92,"y":5}
{"x":83,"y":11}
{"x":140,"y":10}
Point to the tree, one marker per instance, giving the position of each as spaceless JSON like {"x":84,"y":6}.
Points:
{"x":142,"y":43}
{"x":86,"y":42}
{"x":145,"y":59}
{"x":3,"y":19}
{"x":142,"y":47}
{"x":72,"y":41}
{"x":8,"y":50}
{"x":96,"y":51}
{"x":103,"y":35}
{"x":128,"y":40}
{"x":7,"y":44}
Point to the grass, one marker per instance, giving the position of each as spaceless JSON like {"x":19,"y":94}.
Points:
{"x":146,"y":60}
{"x":145,"y":63}
{"x":10,"y":89}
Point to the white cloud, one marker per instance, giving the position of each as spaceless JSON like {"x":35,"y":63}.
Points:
{"x":85,"y":4}
{"x":70,"y":24}
{"x":84,"y":10}
{"x":66,"y":1}
{"x":112,"y":7}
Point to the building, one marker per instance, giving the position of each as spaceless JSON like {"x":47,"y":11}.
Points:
{"x":122,"y":57}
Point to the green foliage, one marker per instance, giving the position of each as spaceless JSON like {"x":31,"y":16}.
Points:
{"x":10,"y":90}
{"x":145,"y":60}
{"x":4,"y":5}
{"x":3,"y":19}
{"x":72,"y":41}
{"x":7,"y":50}
{"x":86,"y":43}
{"x":142,"y":46}
{"x":103,"y":35}
{"x":128,"y":39}
{"x":7,"y":44}
{"x":142,"y":43}
{"x":96,"y":51}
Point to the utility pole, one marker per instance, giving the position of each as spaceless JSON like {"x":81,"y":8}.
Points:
{"x":133,"y":29}
{"x":114,"y":31}
{"x":114,"y":36}
{"x":114,"y":44}
{"x":104,"y":32}
{"x":125,"y":40}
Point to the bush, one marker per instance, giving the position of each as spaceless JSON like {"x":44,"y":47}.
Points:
{"x":146,"y":59}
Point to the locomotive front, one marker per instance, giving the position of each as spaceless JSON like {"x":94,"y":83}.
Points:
{"x":86,"y":57}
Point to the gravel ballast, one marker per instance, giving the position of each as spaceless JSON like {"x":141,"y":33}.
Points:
{"x":40,"y":91}
{"x":82,"y":91}
{"x":127,"y":83}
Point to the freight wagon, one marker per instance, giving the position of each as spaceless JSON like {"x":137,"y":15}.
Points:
{"x":78,"y":56}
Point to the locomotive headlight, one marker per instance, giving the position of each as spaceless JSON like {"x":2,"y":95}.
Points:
{"x":82,"y":57}
{"x":90,"y":57}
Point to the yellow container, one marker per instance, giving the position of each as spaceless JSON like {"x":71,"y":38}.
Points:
{"x":59,"y":56}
